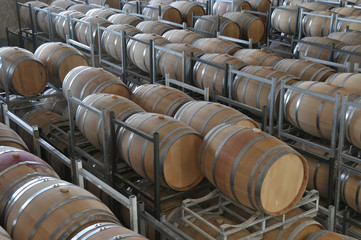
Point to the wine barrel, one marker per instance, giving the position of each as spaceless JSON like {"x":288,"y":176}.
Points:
{"x":352,"y":123}
{"x":24,"y":73}
{"x":14,"y":39}
{"x":319,"y":176}
{"x":111,"y":43}
{"x":309,"y":113}
{"x":100,"y":12}
{"x":311,"y":47}
{"x":284,"y":19}
{"x":10,"y":138}
{"x":346,"y":11}
{"x":155,"y":27}
{"x":20,"y":106}
{"x":17,"y":166}
{"x":305,"y":70}
{"x":259,"y":57}
{"x":210,"y":24}
{"x":351,"y":56}
{"x":62,"y":23}
{"x":107,"y":230}
{"x":24,"y":12}
{"x":64,"y":4}
{"x":216,"y":45}
{"x":221,"y":7}
{"x":4,"y":235}
{"x":182,"y":36}
{"x":83,"y":81}
{"x":59,"y":58}
{"x":203,"y":116}
{"x":83,"y":8}
{"x":167,"y":13}
{"x":89,"y":35}
{"x":122,"y":18}
{"x":342,"y":25}
{"x":205,"y":75}
{"x":171,"y":64}
{"x":187,"y":9}
{"x":56,"y":103}
{"x":178,"y":143}
{"x":350,"y":81}
{"x":327,"y":235}
{"x":91,"y":124}
{"x":43,"y":18}
{"x":255,"y":93}
{"x":350,"y":38}
{"x":260,"y":6}
{"x":317,"y":26}
{"x":254,"y":168}
{"x":250,"y":25}
{"x":65,"y":210}
{"x":139,"y":53}
{"x":131,"y":7}
{"x":350,"y":188}
{"x":165,"y":2}
{"x":159,"y":99}
{"x":316,"y":6}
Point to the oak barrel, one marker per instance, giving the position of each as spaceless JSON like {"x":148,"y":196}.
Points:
{"x":284,"y":19}
{"x":254,"y":168}
{"x":260,"y":6}
{"x":10,"y":138}
{"x":55,"y":102}
{"x":83,"y":81}
{"x":352,"y":122}
{"x":43,"y":18}
{"x":352,"y":55}
{"x":24,"y":73}
{"x":155,"y":27}
{"x":62,"y":23}
{"x":123,"y":18}
{"x":203,"y":116}
{"x":346,"y":11}
{"x":259,"y":57}
{"x":139,"y":53}
{"x":319,"y":176}
{"x":182,"y":36}
{"x":187,"y":9}
{"x":350,"y":81}
{"x":100,"y":12}
{"x":327,"y":235}
{"x":211,"y":24}
{"x":159,"y":99}
{"x":222,"y":7}
{"x":64,"y":4}
{"x":25,"y":12}
{"x":216,"y":45}
{"x":91,"y":124}
{"x":316,"y":6}
{"x":59,"y":58}
{"x":83,"y":8}
{"x":350,"y":188}
{"x":167,"y":13}
{"x":305,"y":70}
{"x":89,"y":35}
{"x":316,"y":25}
{"x":178,"y":150}
{"x":205,"y":75}
{"x":351,"y":26}
{"x":350,"y":38}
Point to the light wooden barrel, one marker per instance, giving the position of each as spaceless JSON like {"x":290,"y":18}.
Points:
{"x":351,"y":26}
{"x":259,"y":57}
{"x":87,"y":35}
{"x":130,"y":7}
{"x":139,"y":53}
{"x":250,"y":25}
{"x":353,"y":121}
{"x":9,"y":137}
{"x":203,"y":116}
{"x":316,"y":6}
{"x":20,"y":106}
{"x":100,"y":12}
{"x":91,"y":124}
{"x":312,"y":114}
{"x":14,"y":39}
{"x":64,"y":4}
{"x":350,"y":38}
{"x":254,"y":168}
{"x":57,"y":103}
{"x":17,"y":166}
{"x":59,"y":58}
{"x":327,"y":235}
{"x":305,"y":70}
{"x":25,"y":13}
{"x":4,"y":235}
{"x":165,"y":2}
{"x":173,"y":65}
{"x":351,"y":81}
{"x":83,"y":81}
{"x":62,"y":24}
{"x":122,"y":18}
{"x":205,"y":75}
{"x":353,"y":56}
{"x":178,"y":143}
{"x":187,"y":9}
{"x":43,"y":18}
{"x":155,"y":27}
{"x":24,"y":73}
{"x":216,"y":45}
{"x":347,"y":11}
{"x":350,"y":188}
{"x":107,"y":230}
{"x":159,"y":99}
{"x":255,"y":93}
{"x":315,"y":25}
{"x":182,"y":36}
{"x":112,"y":42}
{"x":167,"y":13}
{"x":319,"y":176}
{"x":221,"y":7}
{"x":315,"y":51}
{"x":208,"y":25}
{"x":83,"y":8}
{"x":65,"y":210}
{"x":284,"y":19}
{"x":260,"y":6}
